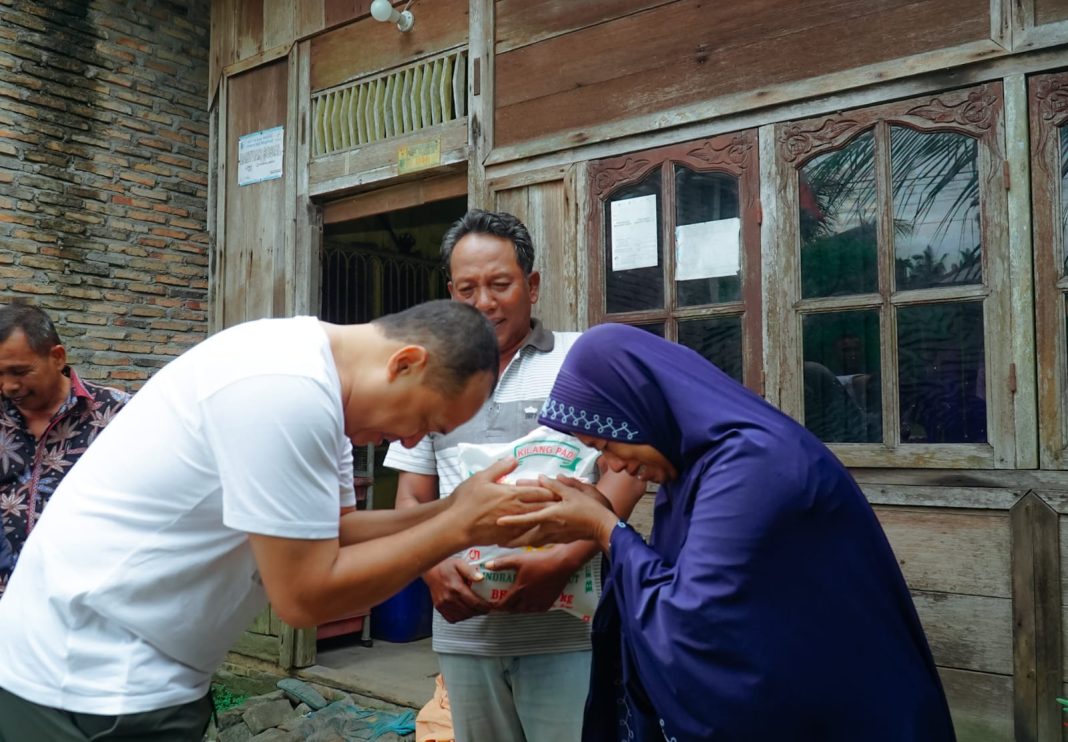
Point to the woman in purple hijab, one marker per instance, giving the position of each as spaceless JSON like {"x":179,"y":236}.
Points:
{"x":767,"y":605}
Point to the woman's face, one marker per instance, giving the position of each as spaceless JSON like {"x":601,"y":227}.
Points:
{"x":637,"y":459}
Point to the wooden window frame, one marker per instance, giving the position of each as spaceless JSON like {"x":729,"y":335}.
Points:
{"x":976,"y":112}
{"x":735,"y":154}
{"x":1048,"y":108}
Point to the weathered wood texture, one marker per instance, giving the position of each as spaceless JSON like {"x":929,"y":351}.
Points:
{"x":548,"y":210}
{"x":367,"y":46}
{"x":394,"y":198}
{"x":360,"y":169}
{"x":688,"y":51}
{"x":1038,"y":665}
{"x":255,"y":226}
{"x":1050,"y":11}
{"x":1049,"y":114}
{"x":981,"y":705}
{"x":951,"y":551}
{"x":241,"y":30}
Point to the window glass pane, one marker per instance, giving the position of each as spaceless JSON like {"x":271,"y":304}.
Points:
{"x":935,"y":184}
{"x":843,"y":393}
{"x":707,"y":238}
{"x":837,"y":199}
{"x":719,"y":339}
{"x":657,"y":328}
{"x":1064,"y":198}
{"x":942,"y":373}
{"x":632,"y":238}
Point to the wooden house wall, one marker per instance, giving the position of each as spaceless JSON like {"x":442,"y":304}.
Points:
{"x":654,"y":56}
{"x":252,"y":268}
{"x":250,"y":32}
{"x":548,"y":209}
{"x":1050,"y":11}
{"x":978,"y":550}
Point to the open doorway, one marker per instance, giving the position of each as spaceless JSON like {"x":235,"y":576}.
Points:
{"x":379,"y":264}
{"x":381,"y":254}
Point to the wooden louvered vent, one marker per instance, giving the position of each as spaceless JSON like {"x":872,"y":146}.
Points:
{"x":427,"y":93}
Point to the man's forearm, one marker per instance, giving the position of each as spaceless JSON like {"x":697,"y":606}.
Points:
{"x":364,"y":525}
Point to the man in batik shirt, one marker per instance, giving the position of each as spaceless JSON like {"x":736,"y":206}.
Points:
{"x":48,"y":417}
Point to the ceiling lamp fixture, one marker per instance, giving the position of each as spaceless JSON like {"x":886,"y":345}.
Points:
{"x":382,"y":10}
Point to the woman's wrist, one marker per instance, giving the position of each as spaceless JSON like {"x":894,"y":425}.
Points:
{"x":606,"y":525}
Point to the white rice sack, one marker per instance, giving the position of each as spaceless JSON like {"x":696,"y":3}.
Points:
{"x":542,"y":451}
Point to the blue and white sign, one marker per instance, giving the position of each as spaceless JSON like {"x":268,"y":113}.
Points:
{"x":259,"y":156}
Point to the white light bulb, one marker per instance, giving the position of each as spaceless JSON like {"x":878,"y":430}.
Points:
{"x":381,"y":10}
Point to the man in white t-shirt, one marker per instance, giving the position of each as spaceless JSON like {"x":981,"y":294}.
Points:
{"x":519,"y":674}
{"x":217,"y":488}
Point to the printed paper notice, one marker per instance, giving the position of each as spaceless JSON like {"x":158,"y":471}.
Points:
{"x":707,"y":249}
{"x":259,"y":156}
{"x":634,"y":233}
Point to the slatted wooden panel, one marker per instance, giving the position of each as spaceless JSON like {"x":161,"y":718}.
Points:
{"x":548,"y":211}
{"x":957,"y":564}
{"x":255,"y":225}
{"x":689,"y":51}
{"x":415,"y":97}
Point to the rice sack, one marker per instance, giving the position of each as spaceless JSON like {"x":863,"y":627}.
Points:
{"x":542,"y":451}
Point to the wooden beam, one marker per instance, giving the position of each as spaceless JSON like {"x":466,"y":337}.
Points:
{"x":1021,"y":273}
{"x":482,"y":99}
{"x":1036,"y":597}
{"x":401,"y":196}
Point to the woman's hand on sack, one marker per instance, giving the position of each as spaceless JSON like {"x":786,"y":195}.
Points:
{"x":581,"y":513}
{"x":450,"y":590}
{"x":480,"y":501}
{"x":540,"y":577}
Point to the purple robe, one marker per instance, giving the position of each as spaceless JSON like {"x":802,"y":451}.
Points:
{"x":767,"y":604}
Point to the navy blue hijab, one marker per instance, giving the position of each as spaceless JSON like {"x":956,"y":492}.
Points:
{"x":767,"y":604}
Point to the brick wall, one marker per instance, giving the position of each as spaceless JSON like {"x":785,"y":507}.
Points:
{"x":103,"y":176}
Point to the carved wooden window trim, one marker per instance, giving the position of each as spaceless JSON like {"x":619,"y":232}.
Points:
{"x":975,"y":112}
{"x":734,"y":154}
{"x":1049,"y":113}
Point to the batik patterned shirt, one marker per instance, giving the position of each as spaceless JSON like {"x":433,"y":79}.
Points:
{"x":31,"y":469}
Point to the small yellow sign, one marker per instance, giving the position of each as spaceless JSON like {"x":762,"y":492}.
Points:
{"x":419,"y":156}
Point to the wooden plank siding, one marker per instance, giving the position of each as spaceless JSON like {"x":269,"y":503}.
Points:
{"x":548,"y":210}
{"x":1050,"y":11}
{"x":255,"y":227}
{"x":689,"y":51}
{"x":241,"y":30}
{"x":364,"y":47}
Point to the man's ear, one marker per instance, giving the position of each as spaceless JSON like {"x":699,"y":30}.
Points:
{"x":534,"y":281}
{"x":452,"y":291}
{"x":57,"y":354}
{"x":409,"y":360}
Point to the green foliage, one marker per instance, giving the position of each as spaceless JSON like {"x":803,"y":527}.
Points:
{"x":224,"y":698}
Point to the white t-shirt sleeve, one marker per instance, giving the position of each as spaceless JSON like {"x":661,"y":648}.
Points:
{"x":280,"y":449}
{"x":346,"y":488}
{"x":420,"y":459}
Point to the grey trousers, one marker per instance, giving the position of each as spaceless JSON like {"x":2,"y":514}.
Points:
{"x":24,"y":721}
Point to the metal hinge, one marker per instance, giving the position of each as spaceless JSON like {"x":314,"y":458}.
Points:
{"x":476,"y":76}
{"x":1012,"y":378}
{"x":1008,"y":179}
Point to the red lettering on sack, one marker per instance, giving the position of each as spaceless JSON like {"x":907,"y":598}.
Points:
{"x":498,"y":594}
{"x":473,"y":554}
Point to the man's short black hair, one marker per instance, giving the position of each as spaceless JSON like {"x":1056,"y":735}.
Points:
{"x":35,"y":324}
{"x":496,"y":223}
{"x":460,"y":340}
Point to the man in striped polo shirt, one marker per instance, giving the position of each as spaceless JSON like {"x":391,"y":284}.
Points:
{"x":520,"y":673}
